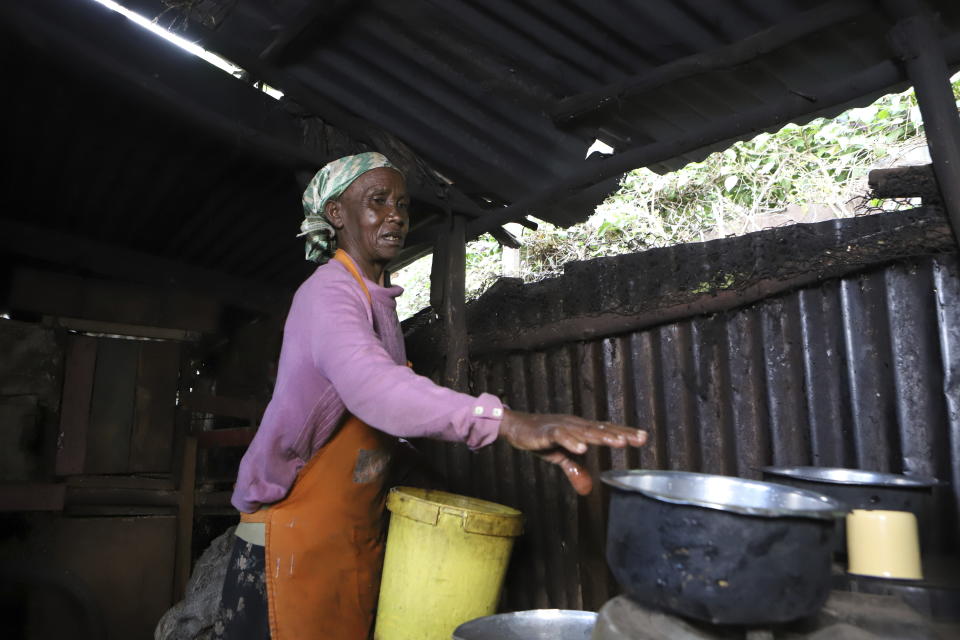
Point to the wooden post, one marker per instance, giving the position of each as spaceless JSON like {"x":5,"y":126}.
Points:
{"x":184,"y":552}
{"x":915,"y":40}
{"x":438,"y":274}
{"x":454,"y":307}
{"x":448,"y":299}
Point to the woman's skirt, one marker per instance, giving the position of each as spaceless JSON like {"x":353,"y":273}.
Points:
{"x":243,"y":607}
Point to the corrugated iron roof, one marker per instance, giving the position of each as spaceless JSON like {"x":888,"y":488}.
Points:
{"x":94,"y":157}
{"x":503,"y":97}
{"x":477,"y":87}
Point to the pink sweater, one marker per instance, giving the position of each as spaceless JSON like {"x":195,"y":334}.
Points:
{"x":340,"y":354}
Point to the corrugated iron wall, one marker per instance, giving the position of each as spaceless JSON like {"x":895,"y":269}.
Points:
{"x":862,"y":371}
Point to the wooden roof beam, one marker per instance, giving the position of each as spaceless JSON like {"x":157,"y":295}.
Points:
{"x":575,"y":107}
{"x":792,"y":105}
{"x":308,"y":18}
{"x":128,"y":265}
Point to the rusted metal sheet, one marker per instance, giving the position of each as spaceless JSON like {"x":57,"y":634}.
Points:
{"x":946,"y":281}
{"x":862,"y":371}
{"x":629,"y":293}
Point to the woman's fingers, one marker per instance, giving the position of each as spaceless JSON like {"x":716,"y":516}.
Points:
{"x":558,"y":437}
{"x":577,"y":441}
{"x":601,"y":434}
{"x":634,"y":437}
{"x":579,"y":478}
{"x":570,"y":441}
{"x":625,"y":435}
{"x":538,"y":431}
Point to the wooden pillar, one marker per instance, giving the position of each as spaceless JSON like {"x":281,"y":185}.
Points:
{"x":915,"y":41}
{"x":448,"y":279}
{"x":184,"y":549}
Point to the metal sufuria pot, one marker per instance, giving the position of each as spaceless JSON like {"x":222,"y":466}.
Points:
{"x":719,"y":549}
{"x":538,"y":624}
{"x":862,"y":489}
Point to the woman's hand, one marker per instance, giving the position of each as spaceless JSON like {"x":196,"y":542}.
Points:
{"x":554,"y":436}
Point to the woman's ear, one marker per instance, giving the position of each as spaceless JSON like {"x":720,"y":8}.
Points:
{"x":332,"y":211}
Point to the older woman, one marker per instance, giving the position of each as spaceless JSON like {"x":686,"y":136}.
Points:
{"x":310,"y":487}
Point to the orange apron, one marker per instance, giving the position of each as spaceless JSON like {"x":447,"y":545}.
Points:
{"x":324,"y":541}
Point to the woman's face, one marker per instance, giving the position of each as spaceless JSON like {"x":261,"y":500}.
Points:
{"x":371,"y":217}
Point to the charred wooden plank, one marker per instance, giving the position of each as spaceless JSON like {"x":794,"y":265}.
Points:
{"x":112,"y":406}
{"x":75,"y":406}
{"x":906,"y":182}
{"x":156,"y":396}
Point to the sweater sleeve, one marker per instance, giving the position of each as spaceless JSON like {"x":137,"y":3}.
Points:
{"x":385,"y":395}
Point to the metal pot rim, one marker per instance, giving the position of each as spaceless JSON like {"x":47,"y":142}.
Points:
{"x":827,"y":508}
{"x":857,"y":477}
{"x":493,"y":623}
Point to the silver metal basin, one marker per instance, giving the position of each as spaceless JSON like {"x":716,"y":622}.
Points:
{"x":724,"y":493}
{"x":538,"y":624}
{"x":836,"y":475}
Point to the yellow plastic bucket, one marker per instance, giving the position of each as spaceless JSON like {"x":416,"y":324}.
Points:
{"x":445,"y":562}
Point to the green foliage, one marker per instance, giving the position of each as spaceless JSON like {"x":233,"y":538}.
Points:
{"x":415,"y":280}
{"x":822,"y":164}
{"x":483,"y":264}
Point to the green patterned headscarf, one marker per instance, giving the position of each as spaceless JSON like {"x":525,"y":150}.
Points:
{"x":328,"y":184}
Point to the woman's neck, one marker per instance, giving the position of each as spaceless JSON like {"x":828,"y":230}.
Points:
{"x":371,"y":270}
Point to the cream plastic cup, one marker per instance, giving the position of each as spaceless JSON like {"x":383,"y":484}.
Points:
{"x":883,"y":544}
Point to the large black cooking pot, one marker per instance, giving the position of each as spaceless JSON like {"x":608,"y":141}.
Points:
{"x":719,"y":549}
{"x":860,"y":489}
